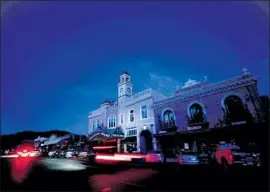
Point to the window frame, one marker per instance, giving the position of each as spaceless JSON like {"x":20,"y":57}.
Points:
{"x":146,"y":109}
{"x":111,"y":117}
{"x":129,"y":114}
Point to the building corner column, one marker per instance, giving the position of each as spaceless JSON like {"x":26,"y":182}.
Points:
{"x":138,"y":143}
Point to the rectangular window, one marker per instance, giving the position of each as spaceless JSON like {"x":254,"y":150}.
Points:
{"x":93,"y":126}
{"x":112,"y":122}
{"x":122,"y":119}
{"x":97,"y":123}
{"x":132,"y":133}
{"x":131,"y":115}
{"x":144,"y":112}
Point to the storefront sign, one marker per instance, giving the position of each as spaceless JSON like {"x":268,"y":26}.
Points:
{"x":186,"y":146}
{"x":194,"y":128}
{"x":107,"y":135}
{"x":239,"y":123}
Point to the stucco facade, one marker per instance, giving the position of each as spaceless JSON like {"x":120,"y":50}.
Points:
{"x":212,"y":100}
{"x":132,"y":112}
{"x":194,"y":107}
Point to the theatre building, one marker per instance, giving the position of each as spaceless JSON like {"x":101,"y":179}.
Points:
{"x":210,"y":112}
{"x":130,"y":115}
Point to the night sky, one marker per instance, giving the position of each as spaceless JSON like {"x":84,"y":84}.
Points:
{"x":61,"y":59}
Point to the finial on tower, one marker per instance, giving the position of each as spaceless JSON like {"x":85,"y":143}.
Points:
{"x":245,"y":71}
{"x":124,"y":72}
{"x":205,"y":78}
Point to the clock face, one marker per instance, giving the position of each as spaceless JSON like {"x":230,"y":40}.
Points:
{"x":128,"y":90}
{"x":121,"y":90}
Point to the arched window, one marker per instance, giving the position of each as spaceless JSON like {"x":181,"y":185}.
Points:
{"x":234,"y":108}
{"x":131,"y":115}
{"x":168,"y":118}
{"x":144,"y":112}
{"x":196,"y":113}
{"x":112,"y":122}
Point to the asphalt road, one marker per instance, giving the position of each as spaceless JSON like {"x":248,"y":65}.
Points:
{"x":66,"y":175}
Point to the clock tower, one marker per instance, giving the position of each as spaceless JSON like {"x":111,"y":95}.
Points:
{"x":124,"y":87}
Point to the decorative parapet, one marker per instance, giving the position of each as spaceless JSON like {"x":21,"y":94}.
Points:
{"x":94,"y":113}
{"x":233,"y":83}
{"x":139,"y":97}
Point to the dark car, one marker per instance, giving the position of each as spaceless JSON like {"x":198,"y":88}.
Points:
{"x":76,"y":152}
{"x":188,"y":158}
{"x":57,"y":153}
{"x":63,"y":153}
{"x":252,"y":155}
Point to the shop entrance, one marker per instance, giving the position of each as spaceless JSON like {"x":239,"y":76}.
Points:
{"x":146,"y":141}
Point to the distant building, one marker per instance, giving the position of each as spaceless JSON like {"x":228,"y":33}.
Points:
{"x":131,"y":113}
{"x":205,"y":106}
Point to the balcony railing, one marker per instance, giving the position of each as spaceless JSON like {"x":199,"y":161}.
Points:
{"x":168,"y":126}
{"x":202,"y":124}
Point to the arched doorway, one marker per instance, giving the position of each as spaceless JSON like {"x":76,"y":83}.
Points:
{"x":146,"y":141}
{"x":234,"y":108}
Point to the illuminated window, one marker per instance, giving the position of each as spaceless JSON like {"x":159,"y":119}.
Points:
{"x":168,"y":118}
{"x":112,"y":122}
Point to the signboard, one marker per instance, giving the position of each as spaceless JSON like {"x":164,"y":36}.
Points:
{"x":186,"y":146}
{"x":106,"y":135}
{"x":194,"y":128}
{"x":239,"y":123}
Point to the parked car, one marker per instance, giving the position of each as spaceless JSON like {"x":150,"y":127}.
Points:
{"x":52,"y":153}
{"x":57,"y":153}
{"x":63,"y":153}
{"x":229,"y":154}
{"x":69,"y":153}
{"x":85,"y":153}
{"x":154,"y":156}
{"x":205,"y":155}
{"x":252,"y":156}
{"x":35,"y":153}
{"x":76,"y":152}
{"x":25,"y":149}
{"x":188,"y":158}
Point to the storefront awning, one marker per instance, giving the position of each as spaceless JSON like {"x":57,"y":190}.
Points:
{"x":102,"y":133}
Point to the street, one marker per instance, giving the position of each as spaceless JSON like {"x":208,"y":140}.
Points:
{"x":64,"y":174}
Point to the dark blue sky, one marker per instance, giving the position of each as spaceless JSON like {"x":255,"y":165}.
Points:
{"x":61,"y":59}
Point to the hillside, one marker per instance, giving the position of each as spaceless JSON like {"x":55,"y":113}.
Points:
{"x":11,"y":140}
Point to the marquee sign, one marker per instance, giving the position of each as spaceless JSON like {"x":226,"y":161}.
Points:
{"x":194,"y":128}
{"x":116,"y":134}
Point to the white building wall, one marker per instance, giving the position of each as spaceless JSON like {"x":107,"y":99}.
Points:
{"x":128,"y":101}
